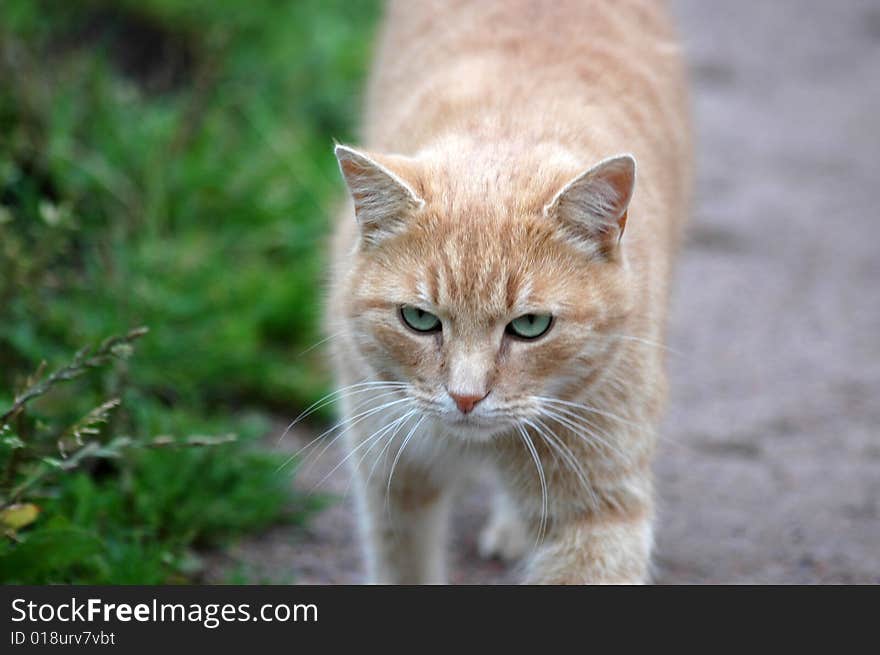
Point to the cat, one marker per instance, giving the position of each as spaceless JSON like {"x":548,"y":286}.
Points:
{"x":500,"y":279}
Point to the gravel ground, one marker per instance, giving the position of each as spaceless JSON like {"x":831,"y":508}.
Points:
{"x":769,"y":469}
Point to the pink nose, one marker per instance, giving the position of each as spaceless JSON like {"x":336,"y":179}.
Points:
{"x":466,"y":403}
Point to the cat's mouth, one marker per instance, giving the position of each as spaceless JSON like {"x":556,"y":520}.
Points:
{"x":458,"y":419}
{"x":473,"y":426}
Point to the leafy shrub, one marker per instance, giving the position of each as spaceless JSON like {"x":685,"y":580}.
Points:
{"x":163,"y":163}
{"x":189,"y":190}
{"x":80,"y":505}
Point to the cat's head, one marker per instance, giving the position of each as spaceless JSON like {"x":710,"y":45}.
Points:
{"x":485,"y":289}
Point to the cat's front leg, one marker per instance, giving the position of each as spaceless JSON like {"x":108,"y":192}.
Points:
{"x":404,"y":527}
{"x":505,"y":535}
{"x":611,"y":547}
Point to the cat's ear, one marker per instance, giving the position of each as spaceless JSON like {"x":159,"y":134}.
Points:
{"x":382,"y":200}
{"x":593,"y":206}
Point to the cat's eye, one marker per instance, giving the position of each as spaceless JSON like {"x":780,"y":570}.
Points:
{"x":419,"y":320}
{"x":529,"y":326}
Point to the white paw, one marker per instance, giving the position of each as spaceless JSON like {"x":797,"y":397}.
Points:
{"x":504,"y":537}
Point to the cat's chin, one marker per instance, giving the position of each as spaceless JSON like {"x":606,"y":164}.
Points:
{"x":473,"y":429}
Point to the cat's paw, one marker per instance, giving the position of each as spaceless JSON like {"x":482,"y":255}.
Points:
{"x":504,"y":537}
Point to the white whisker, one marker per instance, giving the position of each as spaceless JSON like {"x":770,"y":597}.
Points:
{"x":583,"y":432}
{"x":348,"y":423}
{"x":373,"y":438}
{"x":568,"y":456}
{"x":333,"y":396}
{"x":383,"y":453}
{"x":351,"y":422}
{"x":392,"y":430}
{"x":647,"y":342}
{"x":544,"y":501}
{"x":338,"y":424}
{"x":318,"y":343}
{"x":587,"y":408}
{"x":397,"y":459}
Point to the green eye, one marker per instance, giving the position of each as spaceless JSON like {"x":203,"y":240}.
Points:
{"x":419,"y":320}
{"x":530,"y":326}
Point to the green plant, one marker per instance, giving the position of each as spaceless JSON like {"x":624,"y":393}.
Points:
{"x":66,"y":519}
{"x":190,"y":191}
{"x":27,"y":461}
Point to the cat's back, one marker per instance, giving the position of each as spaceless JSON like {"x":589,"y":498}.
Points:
{"x":449,"y":53}
{"x":600,"y":76}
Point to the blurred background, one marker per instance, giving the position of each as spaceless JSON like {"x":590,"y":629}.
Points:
{"x":167,"y":165}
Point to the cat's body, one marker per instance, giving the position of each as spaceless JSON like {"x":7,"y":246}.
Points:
{"x":484,"y":213}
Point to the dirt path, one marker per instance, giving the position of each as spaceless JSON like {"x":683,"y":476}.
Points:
{"x":770,"y":468}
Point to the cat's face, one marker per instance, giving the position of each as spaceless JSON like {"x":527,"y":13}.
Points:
{"x":482,"y":313}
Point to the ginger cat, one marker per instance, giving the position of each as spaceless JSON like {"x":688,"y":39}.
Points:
{"x":500,"y":284}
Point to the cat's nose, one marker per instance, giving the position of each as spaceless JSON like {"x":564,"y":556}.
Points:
{"x":466,"y":403}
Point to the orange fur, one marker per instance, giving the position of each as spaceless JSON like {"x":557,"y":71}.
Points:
{"x":472,"y":203}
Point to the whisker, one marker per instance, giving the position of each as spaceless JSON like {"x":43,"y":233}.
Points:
{"x":373,"y":439}
{"x":587,"y":408}
{"x":568,"y":456}
{"x":318,"y":343}
{"x":393,"y":428}
{"x":581,"y":423}
{"x":584,"y":433}
{"x":531,"y":447}
{"x":647,"y":342}
{"x":333,"y":396}
{"x":352,"y":421}
{"x":340,"y":423}
{"x":397,"y":459}
{"x":383,"y":453}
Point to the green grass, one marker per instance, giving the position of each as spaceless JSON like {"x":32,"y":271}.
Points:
{"x":142,"y":520}
{"x":187,"y":190}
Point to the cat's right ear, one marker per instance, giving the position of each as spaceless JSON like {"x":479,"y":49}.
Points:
{"x":382,"y":200}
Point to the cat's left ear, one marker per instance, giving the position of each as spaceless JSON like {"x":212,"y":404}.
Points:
{"x":593,"y":206}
